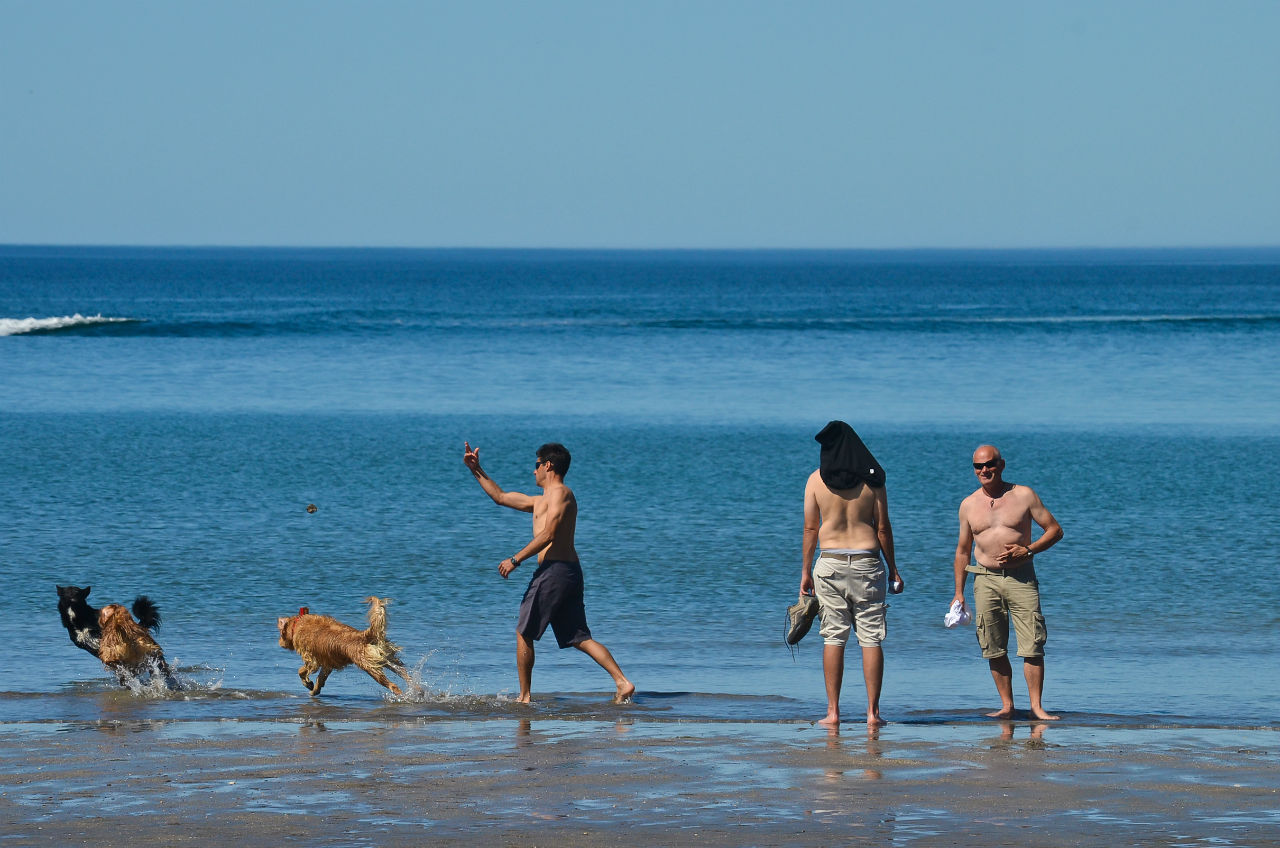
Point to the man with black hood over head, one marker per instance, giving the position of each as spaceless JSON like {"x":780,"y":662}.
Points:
{"x":846,"y":510}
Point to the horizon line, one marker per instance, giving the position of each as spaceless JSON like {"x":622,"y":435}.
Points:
{"x":650,"y":249}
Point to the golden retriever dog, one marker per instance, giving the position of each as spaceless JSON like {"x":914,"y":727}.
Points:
{"x":128,"y":649}
{"x":326,"y":645}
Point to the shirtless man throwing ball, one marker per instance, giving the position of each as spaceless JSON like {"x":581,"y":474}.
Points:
{"x":554,"y":595}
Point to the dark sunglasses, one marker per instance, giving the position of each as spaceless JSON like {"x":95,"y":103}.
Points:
{"x":538,"y":464}
{"x":990,"y":463}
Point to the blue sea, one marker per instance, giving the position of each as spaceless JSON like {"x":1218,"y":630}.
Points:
{"x":166,"y":416}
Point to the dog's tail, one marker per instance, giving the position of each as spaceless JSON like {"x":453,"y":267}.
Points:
{"x":377,"y":631}
{"x":380,"y":651}
{"x":147,"y":613}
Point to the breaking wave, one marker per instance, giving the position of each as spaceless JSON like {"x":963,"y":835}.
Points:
{"x":25,"y":326}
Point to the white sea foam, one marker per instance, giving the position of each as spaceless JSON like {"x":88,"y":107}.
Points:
{"x":19,"y":326}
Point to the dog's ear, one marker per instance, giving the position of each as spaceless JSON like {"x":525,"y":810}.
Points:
{"x":281,"y":622}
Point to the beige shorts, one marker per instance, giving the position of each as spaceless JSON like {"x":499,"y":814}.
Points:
{"x":1003,"y":596}
{"x":851,"y":591}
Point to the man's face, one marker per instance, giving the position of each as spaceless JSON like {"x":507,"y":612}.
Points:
{"x":540,"y":469}
{"x":987,"y":465}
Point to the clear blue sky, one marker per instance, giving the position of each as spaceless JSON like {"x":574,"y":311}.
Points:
{"x":640,"y":124}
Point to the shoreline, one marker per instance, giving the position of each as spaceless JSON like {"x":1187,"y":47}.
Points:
{"x":593,"y":781}
{"x":91,"y":703}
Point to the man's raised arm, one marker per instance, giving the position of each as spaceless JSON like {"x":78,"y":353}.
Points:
{"x":514,"y":500}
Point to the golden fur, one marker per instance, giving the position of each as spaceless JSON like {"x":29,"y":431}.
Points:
{"x":128,"y":649}
{"x":327,"y":645}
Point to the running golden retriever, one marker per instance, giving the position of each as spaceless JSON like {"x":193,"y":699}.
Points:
{"x":326,"y":645}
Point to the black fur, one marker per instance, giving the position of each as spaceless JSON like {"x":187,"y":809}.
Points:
{"x":81,"y":620}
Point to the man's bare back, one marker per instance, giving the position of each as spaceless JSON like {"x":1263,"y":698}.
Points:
{"x":848,"y":516}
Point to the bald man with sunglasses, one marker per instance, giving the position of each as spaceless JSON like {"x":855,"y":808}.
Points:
{"x":996,"y":547}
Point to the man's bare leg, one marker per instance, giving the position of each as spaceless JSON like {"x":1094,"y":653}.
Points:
{"x":524,"y":667}
{"x":873,"y":677}
{"x":1033,"y":671}
{"x":1002,"y":674}
{"x":833,"y":673}
{"x":601,"y":655}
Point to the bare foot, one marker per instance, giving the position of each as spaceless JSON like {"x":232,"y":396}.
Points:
{"x":1042,"y":715}
{"x":874,"y":720}
{"x":832,"y":720}
{"x":625,"y":690}
{"x":526,"y":698}
{"x":1006,"y":712}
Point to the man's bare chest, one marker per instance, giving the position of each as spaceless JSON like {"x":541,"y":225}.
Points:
{"x":992,"y":513}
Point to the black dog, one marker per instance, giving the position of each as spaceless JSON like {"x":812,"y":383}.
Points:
{"x":81,"y":620}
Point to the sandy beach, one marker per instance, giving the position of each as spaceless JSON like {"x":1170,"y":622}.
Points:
{"x":601,"y":781}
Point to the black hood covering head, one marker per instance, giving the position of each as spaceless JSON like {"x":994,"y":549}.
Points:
{"x":845,"y":459}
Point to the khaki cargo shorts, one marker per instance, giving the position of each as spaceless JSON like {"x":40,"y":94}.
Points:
{"x":1003,"y":596}
{"x":851,"y":590}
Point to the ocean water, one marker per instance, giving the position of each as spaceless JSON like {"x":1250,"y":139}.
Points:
{"x":167,"y":415}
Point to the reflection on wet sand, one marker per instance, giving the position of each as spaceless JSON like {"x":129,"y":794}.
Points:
{"x":400,"y":781}
{"x":1035,"y":737}
{"x":871,"y":748}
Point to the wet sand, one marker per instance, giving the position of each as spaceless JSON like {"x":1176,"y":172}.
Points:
{"x":620,"y":782}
